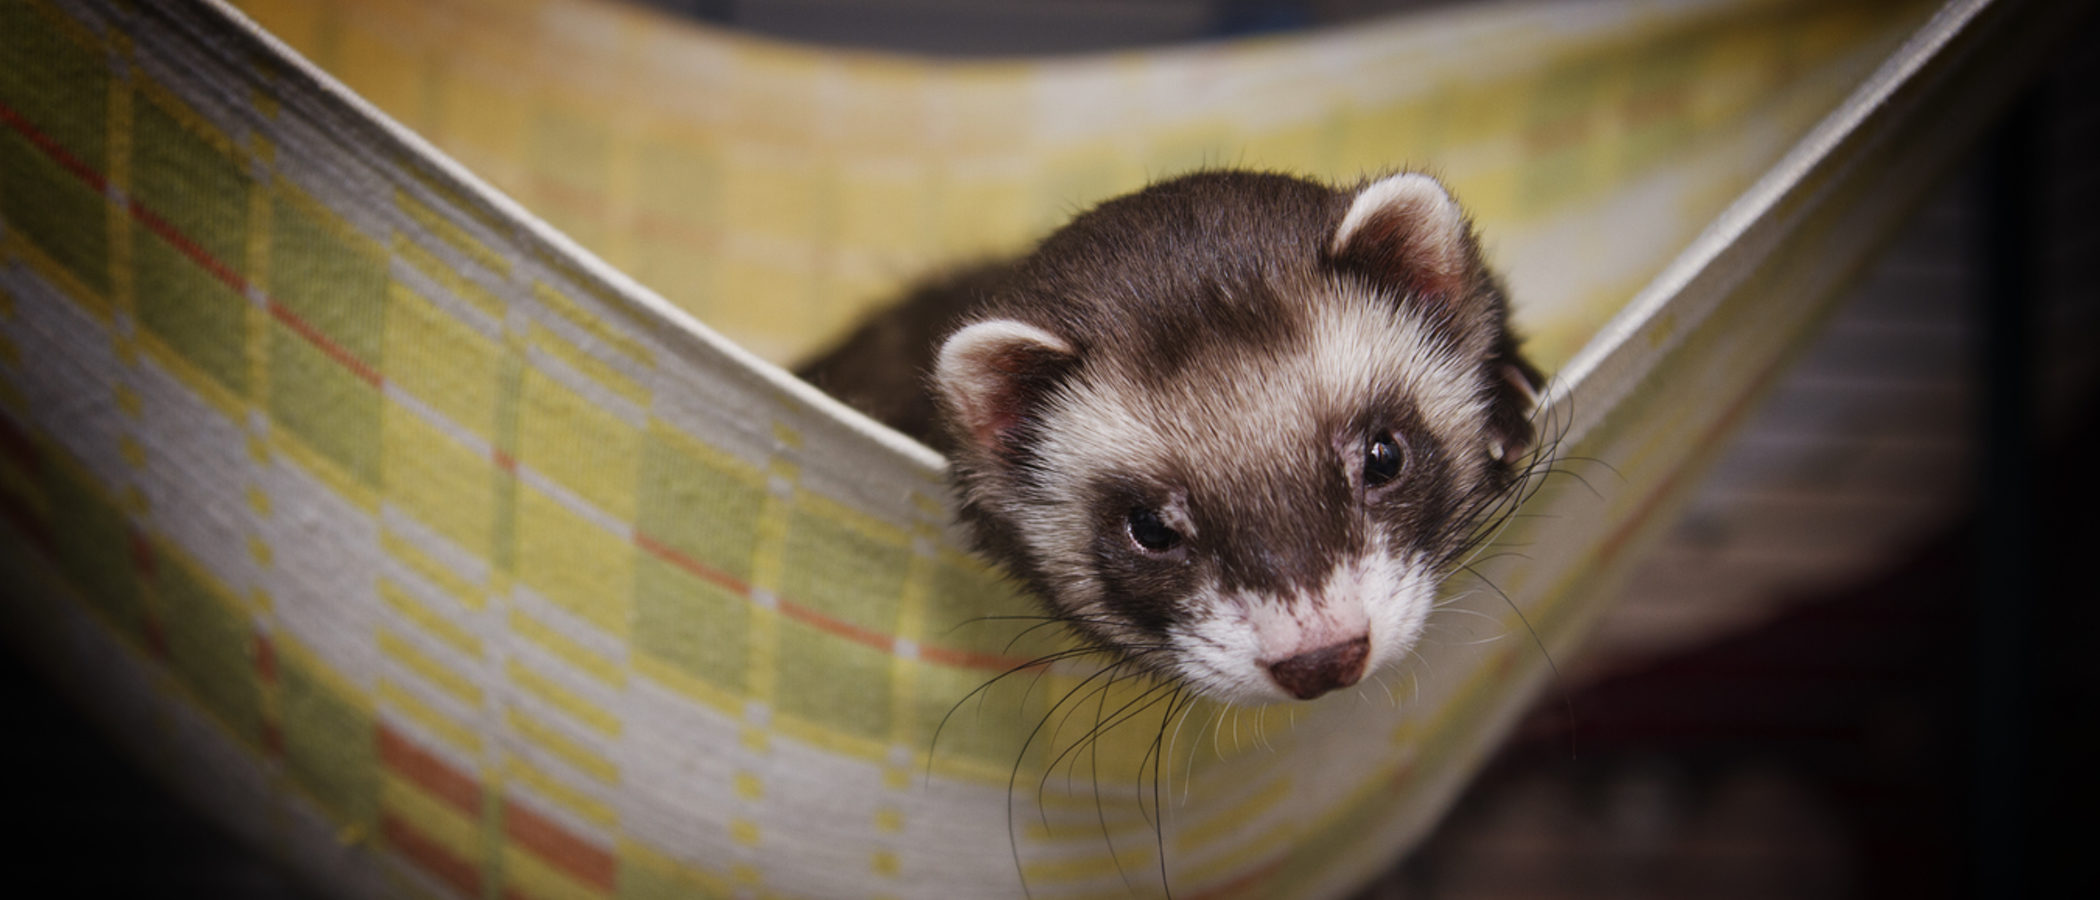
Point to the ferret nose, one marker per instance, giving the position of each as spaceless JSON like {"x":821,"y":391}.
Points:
{"x":1316,"y":672}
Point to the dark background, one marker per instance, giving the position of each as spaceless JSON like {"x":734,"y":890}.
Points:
{"x":1925,"y":729}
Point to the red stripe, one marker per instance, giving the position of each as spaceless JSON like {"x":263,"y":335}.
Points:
{"x":15,"y":508}
{"x":807,"y":616}
{"x":365,"y":372}
{"x":588,"y":862}
{"x":156,"y":635}
{"x":460,"y":874}
{"x":829,"y":625}
{"x":189,"y":248}
{"x":1402,"y":777}
{"x":146,"y":563}
{"x":1654,"y":106}
{"x":182,"y":243}
{"x":142,"y":558}
{"x":886,"y":643}
{"x":233,"y":279}
{"x":58,"y":154}
{"x":558,"y":195}
{"x":265,"y":659}
{"x":971,"y":659}
{"x":273,"y":740}
{"x":313,"y":336}
{"x":429,"y":772}
{"x":1556,"y":134}
{"x":692,"y":566}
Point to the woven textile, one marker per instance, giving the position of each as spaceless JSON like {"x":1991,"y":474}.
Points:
{"x":430,"y":551}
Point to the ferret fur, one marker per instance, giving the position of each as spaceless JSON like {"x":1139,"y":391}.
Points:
{"x":1235,"y":427}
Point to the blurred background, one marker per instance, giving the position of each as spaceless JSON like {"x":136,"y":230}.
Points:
{"x":1857,"y":667}
{"x":975,"y":28}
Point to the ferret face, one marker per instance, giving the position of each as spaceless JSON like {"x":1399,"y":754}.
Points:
{"x":1250,"y":474}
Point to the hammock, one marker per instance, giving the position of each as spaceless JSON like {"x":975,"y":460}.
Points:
{"x":433,"y":552}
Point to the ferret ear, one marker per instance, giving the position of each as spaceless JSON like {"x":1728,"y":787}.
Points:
{"x":1513,"y":389}
{"x":993,"y":375}
{"x":1405,"y":230}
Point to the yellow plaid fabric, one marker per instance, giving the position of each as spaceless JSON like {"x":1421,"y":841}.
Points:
{"x":429,"y":550}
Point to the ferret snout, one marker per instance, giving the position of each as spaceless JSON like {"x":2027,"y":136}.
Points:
{"x":1315,"y":672}
{"x":1313,"y":645}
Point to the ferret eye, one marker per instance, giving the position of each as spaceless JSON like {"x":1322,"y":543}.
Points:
{"x":1383,"y":460}
{"x":1149,"y":532}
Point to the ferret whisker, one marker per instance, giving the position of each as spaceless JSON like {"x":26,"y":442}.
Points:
{"x":1175,"y":738}
{"x":1570,"y":473}
{"x":1104,"y":723}
{"x":1479,"y":641}
{"x":1046,"y":622}
{"x":1452,"y":601}
{"x":1008,"y":617}
{"x":1560,"y":686}
{"x":1188,"y":773}
{"x":1468,"y":611}
{"x":1595,"y":461}
{"x":1481,"y":538}
{"x":1158,"y":752}
{"x":1116,"y":671}
{"x":1013,"y":778}
{"x":1108,"y":840}
{"x":1501,"y":552}
{"x":1417,"y":664}
{"x":1136,"y":707}
{"x":1154,"y":755}
{"x":1090,"y":742}
{"x":1040,"y":664}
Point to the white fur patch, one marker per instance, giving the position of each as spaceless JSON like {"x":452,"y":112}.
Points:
{"x":1231,"y":419}
{"x":972,"y":371}
{"x":1435,"y":228}
{"x":1227,"y":654}
{"x":1418,"y":197}
{"x":1235,"y":417}
{"x":1229,"y":412}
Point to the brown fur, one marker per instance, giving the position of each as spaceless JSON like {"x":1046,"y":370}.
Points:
{"x":1178,"y":302}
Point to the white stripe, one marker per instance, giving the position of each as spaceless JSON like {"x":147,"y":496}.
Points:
{"x":572,"y":502}
{"x":600,"y":396}
{"x":468,"y":566}
{"x":527,"y":601}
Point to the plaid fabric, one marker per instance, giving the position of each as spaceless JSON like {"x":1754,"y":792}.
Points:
{"x":428,"y":549}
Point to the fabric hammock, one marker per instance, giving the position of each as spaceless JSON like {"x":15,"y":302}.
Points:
{"x":424,"y":546}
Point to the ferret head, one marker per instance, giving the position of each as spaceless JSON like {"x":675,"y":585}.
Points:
{"x":1235,"y":427}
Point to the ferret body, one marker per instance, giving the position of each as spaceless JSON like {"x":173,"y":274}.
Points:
{"x":1235,"y":427}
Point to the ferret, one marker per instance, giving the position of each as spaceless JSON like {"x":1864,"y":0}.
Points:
{"x":1235,"y":427}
